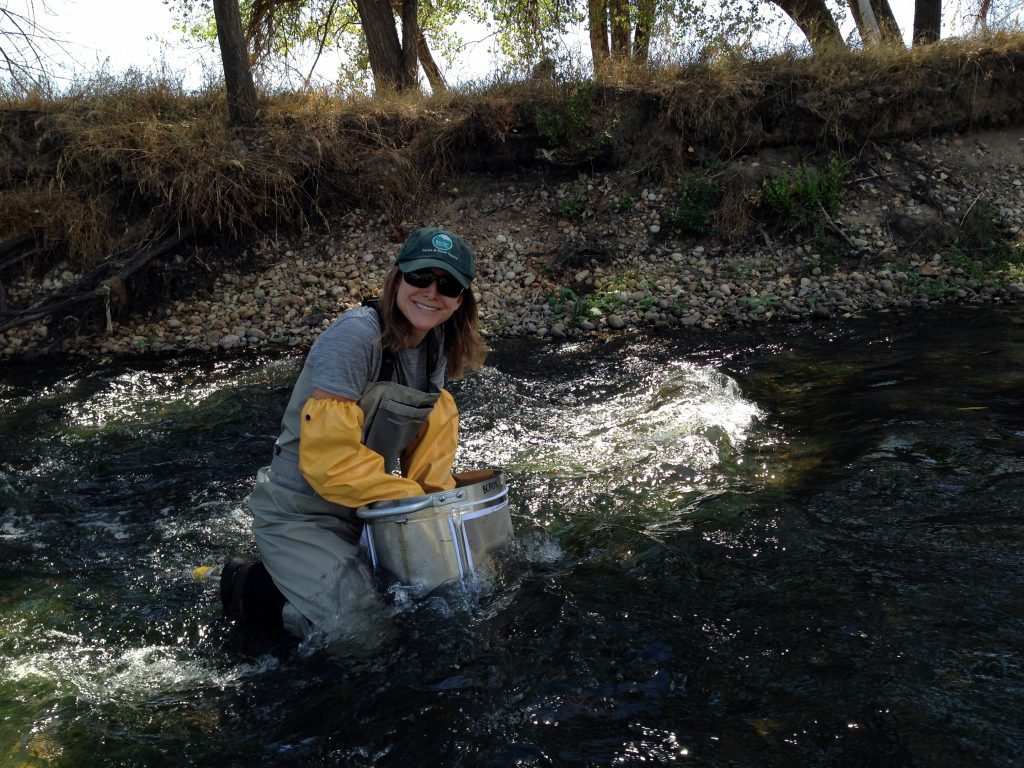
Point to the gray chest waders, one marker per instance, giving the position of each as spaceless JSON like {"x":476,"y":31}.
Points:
{"x":394,"y":412}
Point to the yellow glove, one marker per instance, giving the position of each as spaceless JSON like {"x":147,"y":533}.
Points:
{"x":334,"y":461}
{"x":428,"y":459}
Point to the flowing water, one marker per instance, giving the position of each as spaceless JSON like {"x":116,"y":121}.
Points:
{"x":803,"y":548}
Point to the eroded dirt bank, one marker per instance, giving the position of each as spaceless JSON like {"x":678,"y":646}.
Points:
{"x":599,"y":253}
{"x":719,"y":198}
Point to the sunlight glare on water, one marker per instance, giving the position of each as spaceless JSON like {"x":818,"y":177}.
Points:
{"x":682,"y":414}
{"x":104,"y":675}
{"x":143,"y":397}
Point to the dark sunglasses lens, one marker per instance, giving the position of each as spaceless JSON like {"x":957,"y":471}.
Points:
{"x":418,"y":279}
{"x":446,"y":285}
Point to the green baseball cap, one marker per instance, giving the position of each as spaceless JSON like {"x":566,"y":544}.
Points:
{"x":435,"y":247}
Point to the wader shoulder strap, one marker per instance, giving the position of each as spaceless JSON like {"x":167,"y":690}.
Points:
{"x":387,"y":359}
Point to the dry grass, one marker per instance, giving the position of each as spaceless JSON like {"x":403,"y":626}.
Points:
{"x":115,"y":161}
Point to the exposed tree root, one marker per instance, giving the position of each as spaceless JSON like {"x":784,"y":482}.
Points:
{"x":106,"y":284}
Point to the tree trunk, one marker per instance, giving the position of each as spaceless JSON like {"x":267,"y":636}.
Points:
{"x":243,"y":108}
{"x":430,"y":68}
{"x":410,"y":44}
{"x":981,"y":17}
{"x":381,"y":43}
{"x":815,"y":21}
{"x":876,"y":23}
{"x":927,"y":21}
{"x":598,"y":18}
{"x":887,"y":25}
{"x":645,"y":10}
{"x":426,"y":58}
{"x":619,"y":12}
{"x":867,"y":24}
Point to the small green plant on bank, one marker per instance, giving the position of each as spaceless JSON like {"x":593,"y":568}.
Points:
{"x":982,"y":244}
{"x":936,"y":289}
{"x":753,"y":303}
{"x":568,"y":123}
{"x":575,"y":201}
{"x":803,"y":201}
{"x":562,"y":299}
{"x":567,"y":303}
{"x":697,"y":199}
{"x":602,"y":304}
{"x":797,"y":198}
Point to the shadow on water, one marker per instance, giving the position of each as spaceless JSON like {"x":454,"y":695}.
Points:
{"x":798,"y":548}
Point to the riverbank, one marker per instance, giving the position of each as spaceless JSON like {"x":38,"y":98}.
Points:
{"x":569,"y":256}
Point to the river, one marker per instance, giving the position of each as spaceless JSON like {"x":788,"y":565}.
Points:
{"x":801,"y":546}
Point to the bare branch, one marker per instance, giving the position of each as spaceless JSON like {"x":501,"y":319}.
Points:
{"x":22,"y":57}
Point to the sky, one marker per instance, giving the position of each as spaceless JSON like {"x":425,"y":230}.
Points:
{"x":118,"y":33}
{"x":114,"y":35}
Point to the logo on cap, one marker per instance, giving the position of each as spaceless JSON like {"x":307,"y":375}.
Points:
{"x":442,"y":242}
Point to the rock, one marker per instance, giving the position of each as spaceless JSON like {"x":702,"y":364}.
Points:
{"x":615,"y":322}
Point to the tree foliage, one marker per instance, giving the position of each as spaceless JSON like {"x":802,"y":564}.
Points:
{"x":575,"y":37}
{"x":292,"y":36}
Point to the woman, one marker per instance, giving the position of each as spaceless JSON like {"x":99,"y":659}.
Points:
{"x":369,"y":399}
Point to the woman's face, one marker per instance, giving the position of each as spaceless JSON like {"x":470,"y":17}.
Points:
{"x":425,"y":308}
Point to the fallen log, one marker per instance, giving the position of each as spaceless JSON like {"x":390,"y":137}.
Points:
{"x":100,"y":284}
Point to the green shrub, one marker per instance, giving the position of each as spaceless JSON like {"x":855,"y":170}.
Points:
{"x":567,"y":124}
{"x":697,"y":199}
{"x":798,"y":198}
{"x":982,"y":244}
{"x":575,"y":201}
{"x":567,"y":303}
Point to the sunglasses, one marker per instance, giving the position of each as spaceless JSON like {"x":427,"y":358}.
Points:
{"x":446,"y":284}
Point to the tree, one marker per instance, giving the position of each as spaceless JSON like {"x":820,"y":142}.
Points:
{"x":876,"y":23}
{"x":927,"y":21}
{"x":393,"y":62}
{"x":526,"y":30}
{"x":620,"y":31}
{"x":282,"y":33}
{"x":243,"y":107}
{"x":426,"y":58}
{"x":815,"y":21}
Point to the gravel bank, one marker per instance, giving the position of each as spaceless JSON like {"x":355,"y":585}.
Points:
{"x":595,"y":255}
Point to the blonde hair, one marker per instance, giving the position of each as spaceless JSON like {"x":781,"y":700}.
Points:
{"x":463,"y":346}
